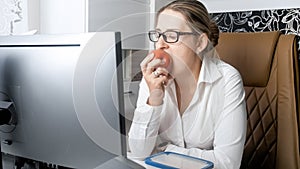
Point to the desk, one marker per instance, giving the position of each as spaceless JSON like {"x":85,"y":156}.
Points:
{"x":140,"y":162}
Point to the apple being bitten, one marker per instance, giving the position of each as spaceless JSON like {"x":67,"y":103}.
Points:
{"x":164,"y":56}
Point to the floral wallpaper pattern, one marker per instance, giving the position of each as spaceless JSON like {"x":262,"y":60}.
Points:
{"x":285,"y":20}
{"x":10,"y":15}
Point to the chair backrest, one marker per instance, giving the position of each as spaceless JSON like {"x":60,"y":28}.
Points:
{"x":268,"y":64}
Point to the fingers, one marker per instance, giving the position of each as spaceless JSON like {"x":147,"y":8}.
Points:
{"x":144,"y":63}
{"x":161,"y":72}
{"x":148,"y":65}
{"x":155,"y":73}
{"x":158,"y":81}
{"x":155,"y":76}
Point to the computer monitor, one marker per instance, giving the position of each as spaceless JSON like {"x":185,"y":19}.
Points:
{"x":67,"y":92}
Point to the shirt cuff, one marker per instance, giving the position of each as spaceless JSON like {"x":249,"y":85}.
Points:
{"x":147,"y":114}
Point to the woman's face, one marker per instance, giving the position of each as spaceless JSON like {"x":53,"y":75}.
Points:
{"x":183,"y":52}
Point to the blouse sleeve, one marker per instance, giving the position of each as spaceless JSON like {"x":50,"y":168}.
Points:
{"x":144,"y":128}
{"x":230,"y":129}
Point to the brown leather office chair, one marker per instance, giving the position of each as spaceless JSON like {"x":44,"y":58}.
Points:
{"x":269,"y":67}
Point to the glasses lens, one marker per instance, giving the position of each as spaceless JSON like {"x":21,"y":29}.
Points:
{"x":171,"y":36}
{"x":154,"y":36}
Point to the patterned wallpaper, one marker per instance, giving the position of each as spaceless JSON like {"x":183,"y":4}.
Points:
{"x":285,"y":20}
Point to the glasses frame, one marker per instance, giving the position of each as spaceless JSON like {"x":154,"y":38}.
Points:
{"x":165,"y":37}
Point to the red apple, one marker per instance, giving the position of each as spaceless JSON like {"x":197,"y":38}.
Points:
{"x":162,"y":55}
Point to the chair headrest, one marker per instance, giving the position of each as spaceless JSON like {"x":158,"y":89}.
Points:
{"x":250,"y":53}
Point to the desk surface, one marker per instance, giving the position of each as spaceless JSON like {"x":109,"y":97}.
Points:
{"x":140,"y":162}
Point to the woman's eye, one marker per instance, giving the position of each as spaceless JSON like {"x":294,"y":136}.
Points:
{"x":171,"y":36}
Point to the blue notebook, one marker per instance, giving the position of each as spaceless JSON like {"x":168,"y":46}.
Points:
{"x":170,"y":160}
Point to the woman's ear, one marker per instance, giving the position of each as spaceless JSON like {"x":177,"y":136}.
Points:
{"x":202,"y":43}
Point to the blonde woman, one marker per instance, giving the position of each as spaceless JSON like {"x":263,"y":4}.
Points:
{"x":196,"y":106}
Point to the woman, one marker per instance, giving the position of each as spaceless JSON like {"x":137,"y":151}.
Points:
{"x":196,"y":106}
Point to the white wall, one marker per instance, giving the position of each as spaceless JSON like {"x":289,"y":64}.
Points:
{"x":130,"y":17}
{"x":216,"y":6}
{"x":50,"y":15}
{"x":59,"y":16}
{"x":33,"y":15}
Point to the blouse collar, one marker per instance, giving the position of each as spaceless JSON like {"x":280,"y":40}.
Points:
{"x":209,"y":72}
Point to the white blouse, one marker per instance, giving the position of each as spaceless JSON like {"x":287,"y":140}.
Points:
{"x":213,"y":126}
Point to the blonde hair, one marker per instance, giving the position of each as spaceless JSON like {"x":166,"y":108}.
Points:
{"x":197,"y":17}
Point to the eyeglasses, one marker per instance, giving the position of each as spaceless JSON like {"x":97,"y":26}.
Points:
{"x":169,"y":36}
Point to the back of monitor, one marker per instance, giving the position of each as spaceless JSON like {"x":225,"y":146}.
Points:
{"x":64,"y":89}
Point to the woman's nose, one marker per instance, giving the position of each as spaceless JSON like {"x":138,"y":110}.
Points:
{"x":161,"y":43}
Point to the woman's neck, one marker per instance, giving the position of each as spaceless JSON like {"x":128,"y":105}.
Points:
{"x":188,"y":79}
{"x":186,"y":84}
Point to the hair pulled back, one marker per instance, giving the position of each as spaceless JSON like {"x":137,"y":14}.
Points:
{"x":197,"y":17}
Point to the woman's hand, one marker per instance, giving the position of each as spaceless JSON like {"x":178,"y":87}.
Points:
{"x":156,"y":78}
